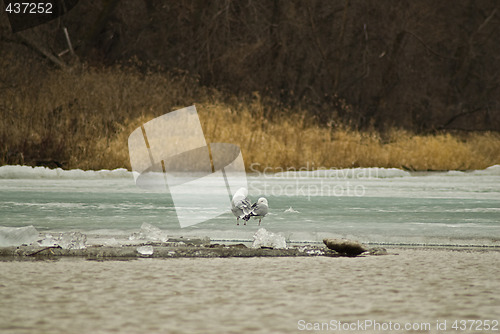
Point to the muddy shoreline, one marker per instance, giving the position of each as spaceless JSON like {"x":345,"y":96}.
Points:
{"x":196,"y":248}
{"x":160,"y":251}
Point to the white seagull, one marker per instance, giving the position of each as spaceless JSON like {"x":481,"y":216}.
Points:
{"x":240,"y":205}
{"x":259,"y":210}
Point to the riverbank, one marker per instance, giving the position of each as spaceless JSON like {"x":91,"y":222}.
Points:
{"x":82,"y":119}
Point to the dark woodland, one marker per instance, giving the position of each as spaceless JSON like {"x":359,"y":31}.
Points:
{"x":419,"y":65}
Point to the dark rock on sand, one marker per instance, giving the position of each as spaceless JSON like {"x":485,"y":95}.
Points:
{"x":343,"y":246}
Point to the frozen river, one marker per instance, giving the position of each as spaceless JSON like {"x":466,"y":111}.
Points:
{"x":372,"y":205}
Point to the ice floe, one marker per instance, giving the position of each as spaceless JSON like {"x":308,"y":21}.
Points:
{"x":263,"y":238}
{"x":17,"y":236}
{"x":149,"y":232}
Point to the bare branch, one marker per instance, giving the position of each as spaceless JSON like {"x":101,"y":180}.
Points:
{"x":26,"y":41}
{"x":428,"y":47}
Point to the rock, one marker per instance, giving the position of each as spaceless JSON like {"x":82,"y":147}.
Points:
{"x":345,"y":246}
{"x":263,"y":238}
{"x":17,"y":236}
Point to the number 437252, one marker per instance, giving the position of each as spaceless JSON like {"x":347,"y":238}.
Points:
{"x":29,"y":8}
{"x":475,"y":325}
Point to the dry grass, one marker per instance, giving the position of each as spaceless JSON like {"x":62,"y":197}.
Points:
{"x":293,"y":141}
{"x":82,"y":120}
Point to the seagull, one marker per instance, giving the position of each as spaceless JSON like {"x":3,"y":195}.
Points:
{"x":240,"y":205}
{"x":259,"y":210}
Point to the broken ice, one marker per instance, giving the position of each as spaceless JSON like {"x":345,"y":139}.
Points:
{"x":149,"y":232}
{"x":48,"y":241}
{"x":72,"y":240}
{"x":17,"y":236}
{"x":145,"y":250}
{"x":291,"y":210}
{"x":112,"y":243}
{"x":263,"y":238}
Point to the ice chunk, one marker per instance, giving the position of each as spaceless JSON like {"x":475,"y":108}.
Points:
{"x":72,"y":240}
{"x":17,"y":236}
{"x":111,"y":243}
{"x":291,"y":210}
{"x":145,"y":250}
{"x":48,"y":241}
{"x":149,"y":232}
{"x":263,"y":238}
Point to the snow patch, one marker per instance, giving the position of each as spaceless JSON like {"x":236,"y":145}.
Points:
{"x":28,"y":172}
{"x":492,"y":170}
